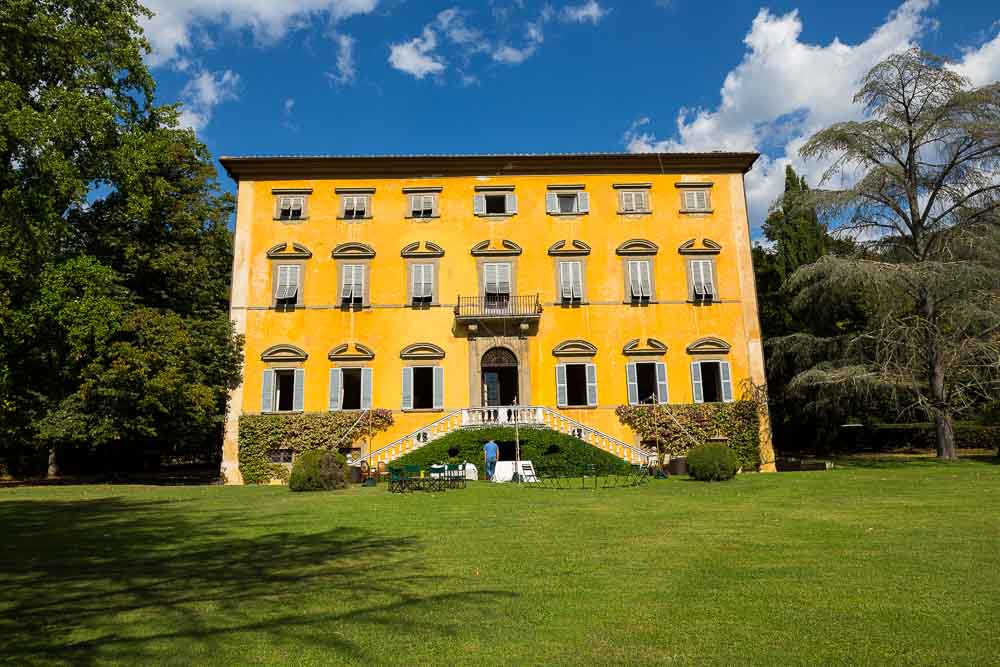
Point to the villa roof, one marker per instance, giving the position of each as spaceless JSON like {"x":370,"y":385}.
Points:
{"x":276,"y":167}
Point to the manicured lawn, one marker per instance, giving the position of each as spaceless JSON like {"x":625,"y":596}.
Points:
{"x":886,"y":564}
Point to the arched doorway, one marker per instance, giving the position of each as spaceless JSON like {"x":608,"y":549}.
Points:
{"x":499,"y":377}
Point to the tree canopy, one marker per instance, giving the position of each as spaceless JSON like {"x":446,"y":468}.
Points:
{"x":920,"y":193}
{"x":115,"y":250}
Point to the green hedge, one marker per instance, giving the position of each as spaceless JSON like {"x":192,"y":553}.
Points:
{"x":894,"y":437}
{"x":713,"y":462}
{"x":738,"y":422}
{"x":262,"y":434}
{"x":318,"y":470}
{"x":551,"y":452}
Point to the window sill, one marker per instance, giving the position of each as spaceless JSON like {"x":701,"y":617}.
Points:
{"x":566,"y":215}
{"x":706,"y":211}
{"x":572,"y":304}
{"x":576,"y":407}
{"x":639,"y":304}
{"x":283,"y":412}
{"x":422,"y":217}
{"x":408,"y":410}
{"x":635,"y":212}
{"x":291,"y":220}
{"x":495,"y":215}
{"x":287,"y":309}
{"x":702,"y":302}
{"x":367,"y":217}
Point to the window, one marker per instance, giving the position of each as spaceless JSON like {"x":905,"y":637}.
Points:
{"x":571,"y":281}
{"x":355,"y":207}
{"x":495,"y":203}
{"x":283,"y":390}
{"x":576,"y":385}
{"x":286,"y":285}
{"x":496,"y":284}
{"x":711,"y":382}
{"x":421,"y":284}
{"x":423,"y":205}
{"x":696,"y":199}
{"x":281,"y":455}
{"x":640,"y":287}
{"x":423,"y":388}
{"x":350,"y":389}
{"x":702,"y":284}
{"x":567,"y":203}
{"x":290,"y":207}
{"x":352,"y":285}
{"x":647,"y":382}
{"x":633,"y":201}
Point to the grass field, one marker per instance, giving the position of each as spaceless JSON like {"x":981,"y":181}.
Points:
{"x":895,"y":563}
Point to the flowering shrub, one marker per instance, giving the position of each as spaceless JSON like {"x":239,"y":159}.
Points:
{"x":262,"y":434}
{"x":681,"y":427}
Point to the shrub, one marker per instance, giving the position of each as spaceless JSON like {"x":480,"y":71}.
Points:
{"x":712,"y":462}
{"x":317,"y":470}
{"x":262,"y":434}
{"x":551,"y":452}
{"x":738,"y":421}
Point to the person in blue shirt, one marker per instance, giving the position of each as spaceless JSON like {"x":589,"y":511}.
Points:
{"x":490,"y":453}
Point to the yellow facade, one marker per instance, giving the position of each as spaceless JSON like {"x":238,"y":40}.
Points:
{"x":606,"y":318}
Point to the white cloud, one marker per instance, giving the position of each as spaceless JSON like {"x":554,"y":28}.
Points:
{"x":176,"y":24}
{"x":416,"y":57}
{"x":419,"y":55}
{"x":782,"y":92}
{"x":588,"y":11}
{"x":508,"y":55}
{"x":346,"y":68}
{"x":982,"y":65}
{"x":205,"y":91}
{"x":289,"y":105}
{"x":452,"y":23}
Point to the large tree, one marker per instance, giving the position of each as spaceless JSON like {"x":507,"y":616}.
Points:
{"x":918,"y":182}
{"x":795,"y":237}
{"x":114,"y":246}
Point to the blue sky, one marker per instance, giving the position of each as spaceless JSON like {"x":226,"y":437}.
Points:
{"x":397,"y":76}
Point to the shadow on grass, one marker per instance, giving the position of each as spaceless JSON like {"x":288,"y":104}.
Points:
{"x":106,"y":579}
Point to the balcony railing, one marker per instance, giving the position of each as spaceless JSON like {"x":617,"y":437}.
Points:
{"x":523,"y":306}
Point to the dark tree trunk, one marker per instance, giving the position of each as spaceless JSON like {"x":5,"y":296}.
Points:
{"x":945,"y":436}
{"x":936,"y":385}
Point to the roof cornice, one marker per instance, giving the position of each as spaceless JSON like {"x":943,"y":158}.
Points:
{"x":281,"y":167}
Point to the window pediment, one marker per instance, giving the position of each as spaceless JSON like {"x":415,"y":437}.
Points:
{"x":343,"y":352}
{"x":574,"y":348}
{"x":637,"y":247}
{"x":709,"y":345}
{"x":483,"y":248}
{"x":652,"y":347}
{"x":430,"y":249}
{"x":353,"y":250}
{"x":575,"y":248}
{"x":708,"y":247}
{"x":284,"y":352}
{"x":421,"y":351}
{"x":281,"y":251}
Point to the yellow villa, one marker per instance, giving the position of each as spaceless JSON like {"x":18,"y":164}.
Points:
{"x":452,"y":288}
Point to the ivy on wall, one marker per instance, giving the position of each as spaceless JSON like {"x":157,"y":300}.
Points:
{"x":676,"y":425}
{"x":262,"y":434}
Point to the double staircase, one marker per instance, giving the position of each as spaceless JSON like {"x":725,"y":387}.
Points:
{"x":522,"y":416}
